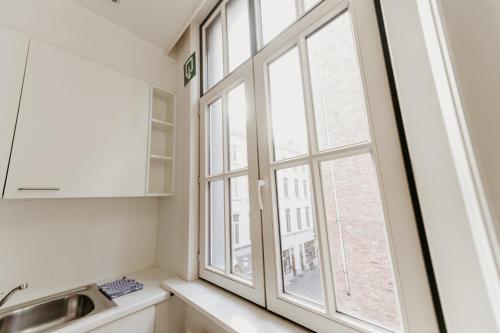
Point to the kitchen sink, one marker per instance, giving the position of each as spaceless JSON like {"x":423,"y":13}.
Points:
{"x":53,"y":312}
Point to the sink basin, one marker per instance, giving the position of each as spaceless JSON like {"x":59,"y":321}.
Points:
{"x":54,"y":312}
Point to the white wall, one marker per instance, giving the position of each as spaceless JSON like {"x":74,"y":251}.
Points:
{"x":472,"y":31}
{"x":69,"y":26}
{"x":55,"y":245}
{"x":178,"y":222}
{"x":436,"y":154}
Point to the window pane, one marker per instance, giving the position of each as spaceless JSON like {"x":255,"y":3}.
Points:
{"x":238,"y":32}
{"x":276,"y":16}
{"x":299,"y":247}
{"x":339,"y":106}
{"x":214,"y":133}
{"x":362,"y":266}
{"x":287,"y":106}
{"x":308,"y":4}
{"x":214,"y":49}
{"x":237,"y":110}
{"x":216,"y":223}
{"x":241,"y":245}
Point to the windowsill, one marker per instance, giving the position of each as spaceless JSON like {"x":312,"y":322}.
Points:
{"x":230,"y":312}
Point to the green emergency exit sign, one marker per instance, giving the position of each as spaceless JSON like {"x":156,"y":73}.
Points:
{"x":190,"y":69}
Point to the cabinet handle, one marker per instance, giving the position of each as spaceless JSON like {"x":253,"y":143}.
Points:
{"x":39,"y":189}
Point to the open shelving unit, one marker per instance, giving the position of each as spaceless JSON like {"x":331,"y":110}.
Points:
{"x":161,"y":157}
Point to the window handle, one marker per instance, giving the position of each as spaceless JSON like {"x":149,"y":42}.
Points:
{"x":261,"y":184}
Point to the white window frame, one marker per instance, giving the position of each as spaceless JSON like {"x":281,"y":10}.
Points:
{"x":410,"y":275}
{"x":225,"y":62}
{"x":253,"y":291}
{"x":413,"y":290}
{"x":255,"y":29}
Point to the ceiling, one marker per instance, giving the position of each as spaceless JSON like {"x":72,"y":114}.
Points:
{"x":159,"y":22}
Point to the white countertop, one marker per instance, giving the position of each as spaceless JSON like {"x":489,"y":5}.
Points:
{"x":227,"y":310}
{"x":151,"y":294}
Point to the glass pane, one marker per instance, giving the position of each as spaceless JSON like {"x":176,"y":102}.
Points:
{"x":362,"y":265}
{"x":339,"y":106}
{"x":308,"y":4}
{"x":287,"y":106}
{"x":216,"y":223}
{"x":276,"y":16}
{"x":237,"y":110}
{"x":238,"y":32}
{"x":241,"y":246}
{"x":214,"y":136}
{"x":299,"y":247}
{"x":214,"y":52}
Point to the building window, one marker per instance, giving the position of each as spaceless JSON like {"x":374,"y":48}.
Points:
{"x":297,"y":194}
{"x":285,"y":187}
{"x":234,"y":153}
{"x":236,"y":235}
{"x":288,"y":221}
{"x":299,"y":218}
{"x":305,"y":186}
{"x":308,"y":221}
{"x":287,"y":267}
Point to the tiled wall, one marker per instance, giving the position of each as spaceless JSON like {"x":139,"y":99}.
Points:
{"x":55,"y":245}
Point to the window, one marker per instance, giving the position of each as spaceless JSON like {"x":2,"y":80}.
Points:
{"x":238,"y":32}
{"x":234,"y":154}
{"x":233,"y":256}
{"x":289,"y":11}
{"x":308,"y":218}
{"x":288,"y":221}
{"x":299,"y":218}
{"x":214,"y":52}
{"x":236,"y":218}
{"x":285,"y":187}
{"x":309,"y":104}
{"x":237,"y":28}
{"x":236,"y":235}
{"x":287,"y":266}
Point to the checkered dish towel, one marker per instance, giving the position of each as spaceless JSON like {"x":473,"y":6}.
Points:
{"x":120,"y":287}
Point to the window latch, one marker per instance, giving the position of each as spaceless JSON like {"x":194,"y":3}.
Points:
{"x":261,"y":184}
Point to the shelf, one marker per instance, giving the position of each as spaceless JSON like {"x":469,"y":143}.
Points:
{"x":161,"y":125}
{"x":161,"y":144}
{"x":163,"y":106}
{"x":161,"y":158}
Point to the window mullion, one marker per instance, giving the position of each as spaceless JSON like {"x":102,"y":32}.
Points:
{"x":254,"y":24}
{"x":258,"y":24}
{"x":227,"y":225}
{"x":308,"y":99}
{"x":227,"y":191}
{"x":326,"y":263}
{"x":299,"y":7}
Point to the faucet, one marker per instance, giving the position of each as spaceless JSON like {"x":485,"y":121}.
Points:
{"x":12,"y":292}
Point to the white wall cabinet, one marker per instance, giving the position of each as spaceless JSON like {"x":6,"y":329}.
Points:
{"x":82,"y":130}
{"x":14,"y":50}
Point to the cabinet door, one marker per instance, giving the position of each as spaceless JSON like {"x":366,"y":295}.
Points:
{"x":82,"y":130}
{"x":14,"y":49}
{"x":139,"y":322}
